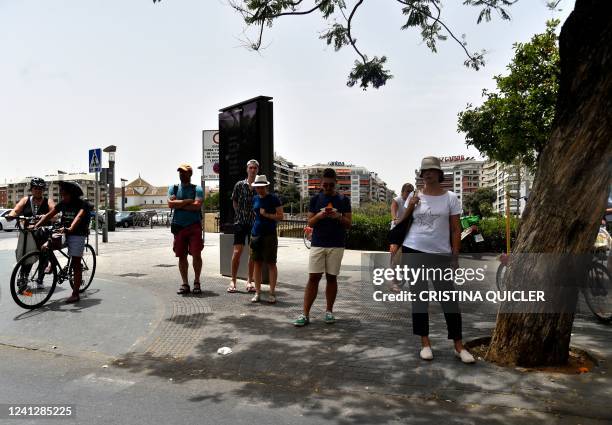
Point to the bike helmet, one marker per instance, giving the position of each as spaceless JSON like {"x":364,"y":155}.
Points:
{"x":38,"y":182}
{"x":72,"y":187}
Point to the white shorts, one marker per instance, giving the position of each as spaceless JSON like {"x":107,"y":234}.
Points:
{"x":76,"y":245}
{"x":325,"y":260}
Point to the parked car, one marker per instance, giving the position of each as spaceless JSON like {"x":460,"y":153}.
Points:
{"x":125,"y":218}
{"x":6,"y":225}
{"x":101,"y":218}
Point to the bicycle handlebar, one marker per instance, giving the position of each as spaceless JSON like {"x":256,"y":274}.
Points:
{"x":33,"y":220}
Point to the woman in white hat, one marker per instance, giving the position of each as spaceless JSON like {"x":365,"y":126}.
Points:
{"x":268,"y":210}
{"x":433,"y":240}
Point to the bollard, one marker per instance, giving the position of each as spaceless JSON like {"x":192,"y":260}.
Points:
{"x":105,"y":227}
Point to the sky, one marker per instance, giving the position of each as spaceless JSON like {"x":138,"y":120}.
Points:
{"x":76,"y":75}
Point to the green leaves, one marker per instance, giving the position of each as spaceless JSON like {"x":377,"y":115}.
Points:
{"x":515,"y":121}
{"x":479,"y":202}
{"x":371,"y":72}
{"x":488,"y":6}
{"x":336,"y":35}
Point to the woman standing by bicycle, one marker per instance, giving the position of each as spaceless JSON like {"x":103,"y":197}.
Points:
{"x":75,"y":221}
{"x":31,"y":206}
{"x":433,"y":241}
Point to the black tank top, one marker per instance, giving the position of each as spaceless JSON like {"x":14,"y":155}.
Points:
{"x":43,"y":208}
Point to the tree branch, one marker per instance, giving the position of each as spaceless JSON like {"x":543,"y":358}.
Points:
{"x":348,"y":27}
{"x":474,"y":60}
{"x":262,"y":18}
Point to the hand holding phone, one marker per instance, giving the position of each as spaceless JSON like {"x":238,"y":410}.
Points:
{"x":414,"y":200}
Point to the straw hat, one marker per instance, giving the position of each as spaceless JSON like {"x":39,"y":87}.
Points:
{"x":430,"y":163}
{"x":260,"y":180}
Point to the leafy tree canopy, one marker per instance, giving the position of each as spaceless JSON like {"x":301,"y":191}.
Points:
{"x":514,"y":122}
{"x":479,"y":202}
{"x":211,"y":202}
{"x":290,"y":197}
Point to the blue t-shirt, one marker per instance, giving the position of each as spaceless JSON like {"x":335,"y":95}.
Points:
{"x":329,"y":232}
{"x":263,"y":225}
{"x":183,"y":217}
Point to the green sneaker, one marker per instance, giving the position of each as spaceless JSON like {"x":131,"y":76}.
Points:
{"x":302,"y":320}
{"x":329,"y":318}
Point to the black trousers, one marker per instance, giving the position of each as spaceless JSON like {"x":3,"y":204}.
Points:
{"x":435,"y":264}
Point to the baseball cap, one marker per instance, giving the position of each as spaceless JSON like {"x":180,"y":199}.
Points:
{"x":185,"y":167}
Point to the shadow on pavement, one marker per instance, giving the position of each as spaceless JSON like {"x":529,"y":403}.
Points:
{"x":60,"y":305}
{"x":365,"y":372}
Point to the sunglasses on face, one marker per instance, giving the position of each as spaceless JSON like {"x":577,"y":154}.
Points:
{"x":328,"y":184}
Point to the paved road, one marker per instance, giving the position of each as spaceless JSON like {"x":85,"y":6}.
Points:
{"x":163,"y":367}
{"x":106,"y":395}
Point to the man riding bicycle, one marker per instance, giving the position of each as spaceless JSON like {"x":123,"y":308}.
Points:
{"x":31,"y":206}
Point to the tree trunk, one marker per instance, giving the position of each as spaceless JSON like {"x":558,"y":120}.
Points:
{"x":569,"y":195}
{"x":518,"y":189}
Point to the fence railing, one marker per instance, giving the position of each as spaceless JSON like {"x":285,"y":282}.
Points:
{"x":288,"y":228}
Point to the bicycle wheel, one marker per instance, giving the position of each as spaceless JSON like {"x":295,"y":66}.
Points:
{"x":598,"y":292}
{"x":33,"y":280}
{"x":88,"y":261}
{"x":499,"y":276}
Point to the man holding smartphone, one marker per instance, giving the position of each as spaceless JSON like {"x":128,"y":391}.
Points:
{"x":329,"y":216}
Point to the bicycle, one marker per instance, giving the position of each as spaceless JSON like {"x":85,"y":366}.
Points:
{"x":37,"y":273}
{"x":307,"y":236}
{"x":596,"y":289}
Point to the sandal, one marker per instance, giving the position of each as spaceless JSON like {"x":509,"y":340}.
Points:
{"x":231,"y":289}
{"x":251,"y":287}
{"x":74,"y":298}
{"x":183,"y":289}
{"x":197,"y":289}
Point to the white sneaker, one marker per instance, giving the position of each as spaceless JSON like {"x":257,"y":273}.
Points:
{"x":426,"y":353}
{"x":255,"y":298}
{"x":465,"y":356}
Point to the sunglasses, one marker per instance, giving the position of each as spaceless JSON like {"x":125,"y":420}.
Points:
{"x":328,"y":184}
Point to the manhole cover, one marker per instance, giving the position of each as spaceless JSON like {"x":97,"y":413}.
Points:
{"x":165,"y":265}
{"x":132,"y":275}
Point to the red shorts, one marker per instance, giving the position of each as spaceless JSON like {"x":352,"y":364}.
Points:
{"x":188,"y":240}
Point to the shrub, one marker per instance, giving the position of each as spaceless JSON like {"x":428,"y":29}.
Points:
{"x":369,"y":233}
{"x":493,"y":231}
{"x":373,"y":209}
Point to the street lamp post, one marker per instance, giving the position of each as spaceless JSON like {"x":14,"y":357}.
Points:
{"x":110,"y":221}
{"x":203,"y":211}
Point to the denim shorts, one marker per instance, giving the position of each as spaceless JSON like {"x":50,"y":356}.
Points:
{"x":76,"y":245}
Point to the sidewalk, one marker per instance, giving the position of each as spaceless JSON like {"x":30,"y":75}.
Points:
{"x":369,"y":352}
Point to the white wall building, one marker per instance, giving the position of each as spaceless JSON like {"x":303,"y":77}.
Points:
{"x":140,"y":193}
{"x":517,"y":179}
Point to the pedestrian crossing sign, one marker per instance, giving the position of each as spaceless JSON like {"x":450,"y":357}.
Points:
{"x":95,"y":160}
